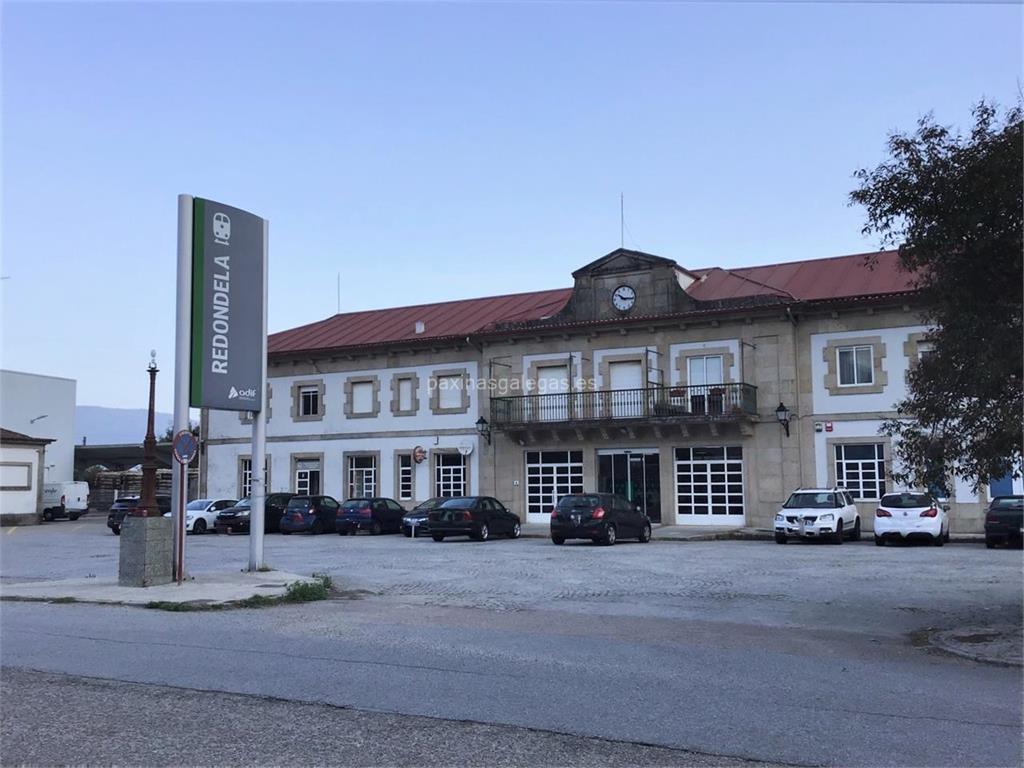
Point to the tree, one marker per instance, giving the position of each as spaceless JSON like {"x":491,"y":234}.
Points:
{"x":169,"y":433}
{"x":953,"y":206}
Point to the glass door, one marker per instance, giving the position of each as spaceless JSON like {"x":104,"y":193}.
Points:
{"x":634,"y":475}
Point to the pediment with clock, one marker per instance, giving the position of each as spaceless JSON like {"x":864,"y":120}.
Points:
{"x":627,"y":283}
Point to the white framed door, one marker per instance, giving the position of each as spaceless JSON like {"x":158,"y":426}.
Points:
{"x":629,"y":376}
{"x":709,"y":486}
{"x":552,"y":402}
{"x":549,"y":476}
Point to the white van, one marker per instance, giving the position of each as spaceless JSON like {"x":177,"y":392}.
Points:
{"x":66,"y":499}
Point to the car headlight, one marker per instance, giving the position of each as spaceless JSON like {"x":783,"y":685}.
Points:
{"x":189,"y":518}
{"x":244,"y":514}
{"x":825,"y":518}
{"x":779,"y":518}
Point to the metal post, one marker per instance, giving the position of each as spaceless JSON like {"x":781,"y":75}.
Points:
{"x":257,"y":494}
{"x":182,"y":373}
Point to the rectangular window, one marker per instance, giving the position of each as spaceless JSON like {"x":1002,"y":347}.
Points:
{"x":449,"y":474}
{"x":405,"y":477}
{"x":362,"y":476}
{"x":449,"y":391}
{"x":709,"y":481}
{"x":550,"y":475}
{"x":856,"y":366}
{"x":925,"y":349}
{"x":704,"y":370}
{"x":307,"y":477}
{"x":405,"y":394}
{"x":245,"y":480}
{"x":860,"y":469}
{"x":309,"y":401}
{"x":362,"y":397}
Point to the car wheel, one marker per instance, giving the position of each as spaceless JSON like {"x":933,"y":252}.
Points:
{"x":483,"y":532}
{"x":117,"y":530}
{"x":199,"y":526}
{"x":375,"y":528}
{"x":609,"y":536}
{"x":990,"y":543}
{"x":645,"y":533}
{"x":517,"y":531}
{"x":879,"y":541}
{"x":407,"y":533}
{"x":839,"y":535}
{"x":557,"y":540}
{"x":437,"y":536}
{"x":855,"y":536}
{"x":780,"y":538}
{"x":72,"y":517}
{"x":947,"y":534}
{"x":47,"y":515}
{"x":939,"y":540}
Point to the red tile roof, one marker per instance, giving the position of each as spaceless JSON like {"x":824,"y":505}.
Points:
{"x":10,"y":436}
{"x":449,"y":319}
{"x":837,"y":278}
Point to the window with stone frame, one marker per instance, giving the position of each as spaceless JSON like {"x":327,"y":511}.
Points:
{"x":406,"y":481}
{"x":449,"y":475}
{"x":309,"y":401}
{"x":362,"y":397}
{"x":362,"y":476}
{"x":245,"y":477}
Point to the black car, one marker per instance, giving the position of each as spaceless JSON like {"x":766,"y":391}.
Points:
{"x":376,"y":515}
{"x":478,"y":517}
{"x":315,"y":514}
{"x":123,"y":506}
{"x":600,"y":517}
{"x":419,"y":516}
{"x":236,"y":519}
{"x":1004,"y":521}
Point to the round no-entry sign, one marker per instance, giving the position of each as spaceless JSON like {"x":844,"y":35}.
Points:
{"x":185,"y":446}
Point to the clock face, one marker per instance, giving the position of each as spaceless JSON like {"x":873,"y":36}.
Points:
{"x":623,"y":298}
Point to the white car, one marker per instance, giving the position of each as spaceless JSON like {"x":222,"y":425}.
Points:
{"x":818,"y":513}
{"x":201,"y":514}
{"x":911,"y":515}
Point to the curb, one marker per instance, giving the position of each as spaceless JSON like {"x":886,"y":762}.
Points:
{"x":941,"y":642}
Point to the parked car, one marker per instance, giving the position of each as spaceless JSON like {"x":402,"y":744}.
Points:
{"x":313,"y":514}
{"x":419,"y":516}
{"x":201,"y":514}
{"x":68,"y":499}
{"x":1004,"y":521}
{"x":123,"y":506}
{"x":818,"y":513}
{"x":376,"y":515}
{"x":600,"y":517}
{"x":475,"y":516}
{"x":236,"y":519}
{"x":911,"y":515}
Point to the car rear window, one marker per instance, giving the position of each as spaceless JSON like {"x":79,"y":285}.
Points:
{"x":357,"y":504}
{"x":458,"y":503}
{"x":906,"y":500}
{"x":299,"y":505}
{"x":1008,"y":502}
{"x":575,"y":502}
{"x":811,"y":501}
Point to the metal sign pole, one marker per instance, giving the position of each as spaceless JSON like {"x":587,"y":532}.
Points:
{"x":259,"y":433}
{"x":182,"y":373}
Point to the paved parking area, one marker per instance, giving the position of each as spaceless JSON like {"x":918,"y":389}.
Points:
{"x":859,"y":587}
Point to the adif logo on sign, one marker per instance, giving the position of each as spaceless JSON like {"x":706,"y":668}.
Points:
{"x":221,"y":228}
{"x":244,"y":394}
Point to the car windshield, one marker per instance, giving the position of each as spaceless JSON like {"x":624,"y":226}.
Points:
{"x":126,"y":502}
{"x":428,"y":505}
{"x":1008,"y":502}
{"x":356,"y":504}
{"x":811,"y":501}
{"x":575,"y":502}
{"x":460,"y":503}
{"x":243,"y":504}
{"x":198,"y":504}
{"x":906,"y":500}
{"x":299,"y":505}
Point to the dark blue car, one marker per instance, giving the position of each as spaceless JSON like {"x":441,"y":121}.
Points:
{"x":376,"y":515}
{"x":309,"y":514}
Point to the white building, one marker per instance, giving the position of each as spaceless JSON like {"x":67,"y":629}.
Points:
{"x":21,"y":477}
{"x":42,"y":406}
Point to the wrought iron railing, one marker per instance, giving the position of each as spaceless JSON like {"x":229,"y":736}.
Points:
{"x":711,"y":402}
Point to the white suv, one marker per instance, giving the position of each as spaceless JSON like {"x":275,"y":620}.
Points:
{"x":818,"y":513}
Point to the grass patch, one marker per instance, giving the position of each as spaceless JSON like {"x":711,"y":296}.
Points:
{"x":64,"y":600}
{"x":296,"y":592}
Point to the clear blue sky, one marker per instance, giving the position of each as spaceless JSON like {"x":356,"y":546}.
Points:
{"x":439,"y":151}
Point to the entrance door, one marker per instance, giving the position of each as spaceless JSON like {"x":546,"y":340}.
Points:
{"x":709,"y":486}
{"x":634,"y":475}
{"x":553,"y":388}
{"x":627,"y":376}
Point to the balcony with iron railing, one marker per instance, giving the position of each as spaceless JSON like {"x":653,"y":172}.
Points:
{"x":711,"y":402}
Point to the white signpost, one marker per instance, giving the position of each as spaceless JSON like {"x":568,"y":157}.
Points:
{"x":220,"y":359}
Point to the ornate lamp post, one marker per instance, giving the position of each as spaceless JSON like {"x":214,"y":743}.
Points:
{"x":147,"y":503}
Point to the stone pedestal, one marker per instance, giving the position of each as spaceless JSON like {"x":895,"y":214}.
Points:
{"x":147,"y":552}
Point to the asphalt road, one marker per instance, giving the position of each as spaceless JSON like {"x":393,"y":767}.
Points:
{"x":800,"y":654}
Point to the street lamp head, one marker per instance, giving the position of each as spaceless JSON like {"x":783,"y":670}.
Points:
{"x":483,"y":428}
{"x":152,"y":360}
{"x":782,"y":414}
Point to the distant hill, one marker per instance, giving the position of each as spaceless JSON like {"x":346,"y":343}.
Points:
{"x":108,"y":426}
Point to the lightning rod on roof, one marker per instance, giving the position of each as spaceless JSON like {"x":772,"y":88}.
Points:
{"x":339,"y":293}
{"x":622,"y":220}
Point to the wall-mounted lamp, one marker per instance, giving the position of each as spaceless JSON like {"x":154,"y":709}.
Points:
{"x":483,"y":429}
{"x":782,"y":414}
